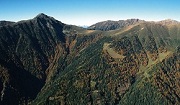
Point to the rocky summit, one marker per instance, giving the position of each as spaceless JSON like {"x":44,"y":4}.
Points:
{"x":128,"y":62}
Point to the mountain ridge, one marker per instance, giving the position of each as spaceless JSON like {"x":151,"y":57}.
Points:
{"x":168,"y":22}
{"x":113,"y":25}
{"x":4,"y":23}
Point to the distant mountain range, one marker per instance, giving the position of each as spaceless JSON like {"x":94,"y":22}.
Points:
{"x":113,"y":25}
{"x":127,"y":62}
{"x":84,"y":26}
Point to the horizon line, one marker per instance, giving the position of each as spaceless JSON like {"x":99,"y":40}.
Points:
{"x":115,"y":20}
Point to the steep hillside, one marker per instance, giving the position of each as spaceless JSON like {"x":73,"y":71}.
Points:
{"x":112,"y":25}
{"x":159,"y":84}
{"x":123,"y":67}
{"x":29,"y":52}
{"x":44,"y":61}
{"x":33,"y":52}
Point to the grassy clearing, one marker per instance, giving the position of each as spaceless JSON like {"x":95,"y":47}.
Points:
{"x":111,"y":52}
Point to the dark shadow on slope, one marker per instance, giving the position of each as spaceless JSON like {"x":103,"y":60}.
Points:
{"x":24,"y":86}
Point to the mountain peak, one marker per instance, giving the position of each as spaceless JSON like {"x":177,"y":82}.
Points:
{"x":41,"y":15}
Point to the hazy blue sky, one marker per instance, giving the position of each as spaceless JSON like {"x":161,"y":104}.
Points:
{"x":87,"y":12}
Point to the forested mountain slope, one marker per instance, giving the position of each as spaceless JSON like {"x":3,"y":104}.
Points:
{"x":44,"y":61}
